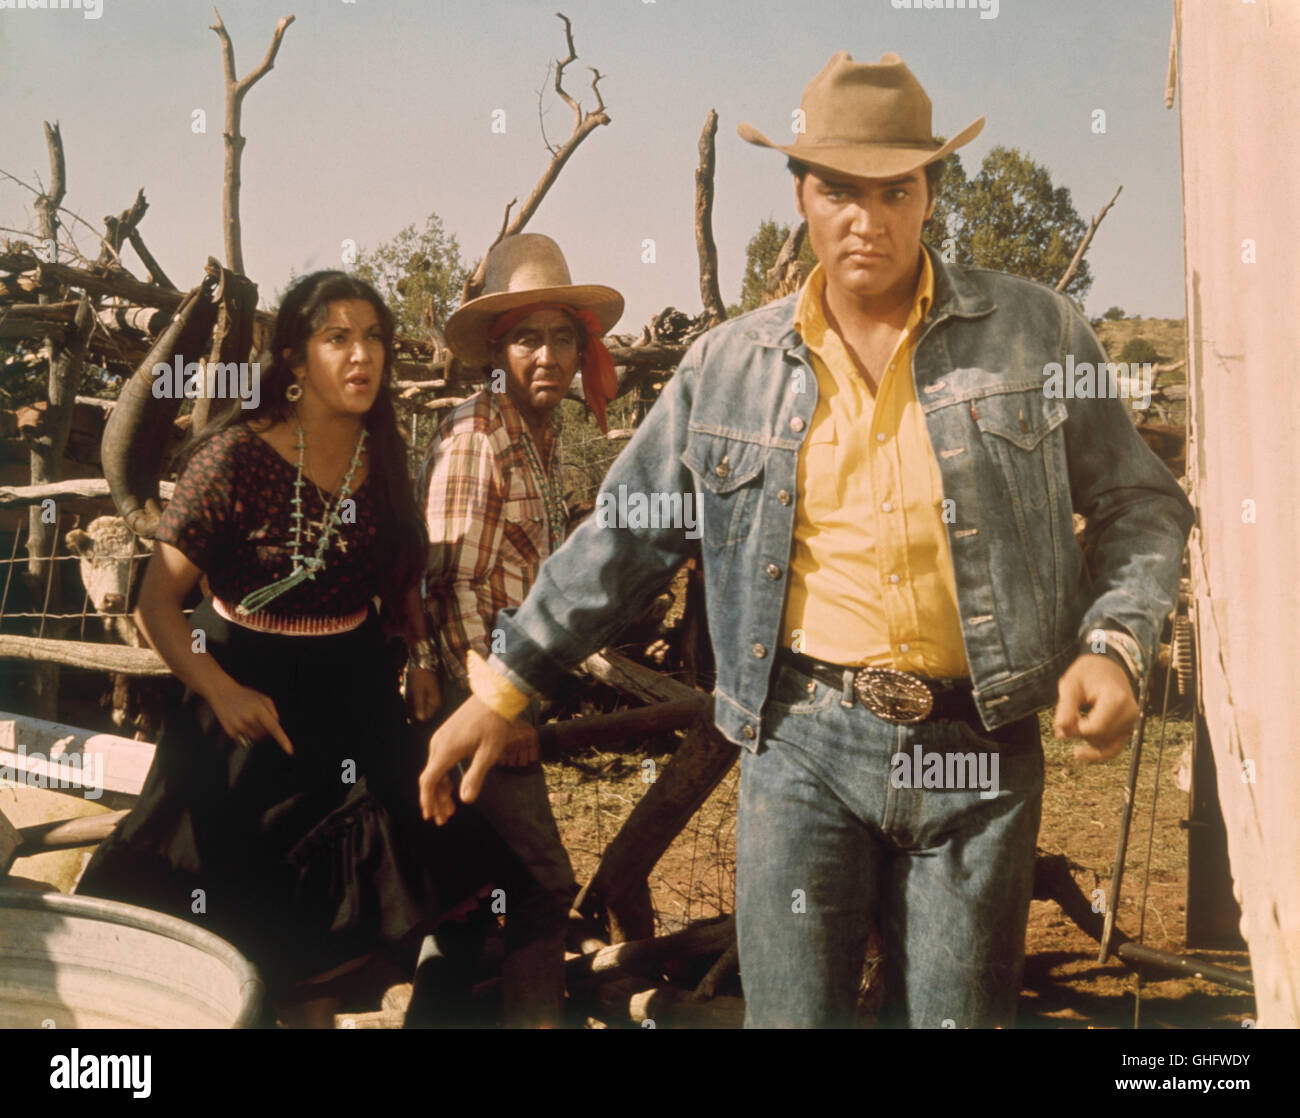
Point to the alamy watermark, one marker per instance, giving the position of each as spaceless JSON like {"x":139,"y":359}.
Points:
{"x":945,"y":770}
{"x":85,"y":772}
{"x":86,"y":1071}
{"x":648,"y":510}
{"x":90,"y":9}
{"x":221,"y":380}
{"x":988,"y":9}
{"x":1105,"y":380}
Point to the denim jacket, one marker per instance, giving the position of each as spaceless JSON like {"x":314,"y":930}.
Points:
{"x":1016,"y":462}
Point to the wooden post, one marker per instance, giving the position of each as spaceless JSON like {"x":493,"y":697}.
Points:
{"x":705,"y":247}
{"x":619,"y":886}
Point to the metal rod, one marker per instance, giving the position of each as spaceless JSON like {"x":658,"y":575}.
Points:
{"x":1126,"y":818}
{"x":1182,"y":965}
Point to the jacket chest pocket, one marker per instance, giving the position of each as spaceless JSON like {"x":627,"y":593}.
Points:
{"x":1021,"y":431}
{"x":729,"y":476}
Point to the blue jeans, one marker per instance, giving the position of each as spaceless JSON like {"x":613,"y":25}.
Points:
{"x":837,"y":829}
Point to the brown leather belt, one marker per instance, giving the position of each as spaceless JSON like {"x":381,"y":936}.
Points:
{"x":894,"y":696}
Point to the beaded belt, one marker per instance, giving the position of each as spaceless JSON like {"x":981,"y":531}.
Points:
{"x":291,"y":626}
{"x":894,"y":696}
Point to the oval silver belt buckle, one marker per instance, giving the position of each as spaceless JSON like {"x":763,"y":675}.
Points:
{"x":893,"y":695}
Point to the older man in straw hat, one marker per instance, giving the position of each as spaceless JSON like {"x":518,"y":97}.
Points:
{"x":494,"y":513}
{"x":893,"y":584}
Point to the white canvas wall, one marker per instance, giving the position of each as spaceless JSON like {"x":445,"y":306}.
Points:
{"x":1239,"y":100}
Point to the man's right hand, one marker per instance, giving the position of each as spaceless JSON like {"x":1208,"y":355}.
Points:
{"x":473,"y":731}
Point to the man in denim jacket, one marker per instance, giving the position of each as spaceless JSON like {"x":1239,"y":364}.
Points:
{"x":887,"y":467}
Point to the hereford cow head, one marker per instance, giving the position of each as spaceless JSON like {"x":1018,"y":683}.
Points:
{"x":111,"y":563}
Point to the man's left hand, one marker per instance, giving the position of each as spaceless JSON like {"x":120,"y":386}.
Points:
{"x":1095,"y":702}
{"x":522,"y":749}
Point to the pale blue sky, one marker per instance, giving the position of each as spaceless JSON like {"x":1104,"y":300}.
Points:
{"x":379,"y":111}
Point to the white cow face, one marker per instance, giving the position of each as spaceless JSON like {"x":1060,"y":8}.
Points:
{"x":110,"y":559}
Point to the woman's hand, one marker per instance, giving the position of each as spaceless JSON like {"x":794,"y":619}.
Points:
{"x":423,"y":695}
{"x":249,"y":714}
{"x":168,"y":578}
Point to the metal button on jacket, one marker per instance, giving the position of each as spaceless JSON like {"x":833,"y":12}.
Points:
{"x":773,"y":571}
{"x":760,"y":650}
{"x":784,"y":497}
{"x":723,"y":468}
{"x":796,"y":424}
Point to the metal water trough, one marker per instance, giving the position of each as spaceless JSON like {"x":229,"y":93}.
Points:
{"x":83,"y":962}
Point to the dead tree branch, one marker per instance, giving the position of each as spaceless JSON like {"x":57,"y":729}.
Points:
{"x":786,"y":273}
{"x":156,"y":274}
{"x":705,"y":247}
{"x":505,"y":219}
{"x":541,"y":116}
{"x":583,"y":125}
{"x":1077,"y":259}
{"x":236,"y":90}
{"x":57,"y":209}
{"x":48,"y":201}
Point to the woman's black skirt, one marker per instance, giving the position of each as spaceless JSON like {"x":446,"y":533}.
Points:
{"x":303,"y":862}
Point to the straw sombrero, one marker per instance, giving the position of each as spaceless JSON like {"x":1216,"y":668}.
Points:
{"x":523,"y":269}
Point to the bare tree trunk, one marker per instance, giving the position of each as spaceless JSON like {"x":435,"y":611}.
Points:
{"x":704,"y":244}
{"x":236,"y":90}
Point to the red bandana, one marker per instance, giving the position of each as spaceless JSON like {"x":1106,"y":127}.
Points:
{"x":599,"y":384}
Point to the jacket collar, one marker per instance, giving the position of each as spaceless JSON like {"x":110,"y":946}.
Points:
{"x":955,"y":295}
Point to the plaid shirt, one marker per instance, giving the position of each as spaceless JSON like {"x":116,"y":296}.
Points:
{"x":487,"y":523}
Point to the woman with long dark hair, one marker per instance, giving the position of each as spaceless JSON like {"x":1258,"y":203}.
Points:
{"x":280,"y":808}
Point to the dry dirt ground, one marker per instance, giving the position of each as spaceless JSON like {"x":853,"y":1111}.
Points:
{"x":1064,"y":985}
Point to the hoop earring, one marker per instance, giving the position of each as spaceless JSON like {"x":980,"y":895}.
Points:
{"x":293,"y":393}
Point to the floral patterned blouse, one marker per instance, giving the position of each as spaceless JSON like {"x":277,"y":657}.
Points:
{"x":229,"y":515}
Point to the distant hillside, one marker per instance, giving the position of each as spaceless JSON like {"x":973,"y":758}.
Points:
{"x":1167,"y":335}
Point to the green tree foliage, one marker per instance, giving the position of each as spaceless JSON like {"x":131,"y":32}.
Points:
{"x":416,"y":273}
{"x":947,"y":225}
{"x":1016,"y":221}
{"x":1115,"y":314}
{"x":1009,"y":217}
{"x":760,"y":255}
{"x":1137,"y":350}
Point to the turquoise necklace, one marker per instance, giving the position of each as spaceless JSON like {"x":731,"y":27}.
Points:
{"x":555,"y":518}
{"x":305,"y":567}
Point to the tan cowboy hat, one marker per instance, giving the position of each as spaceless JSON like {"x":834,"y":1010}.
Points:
{"x":526,"y":268}
{"x":871,"y":120}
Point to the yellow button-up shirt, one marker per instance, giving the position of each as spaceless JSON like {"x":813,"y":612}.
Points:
{"x":871,"y":577}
